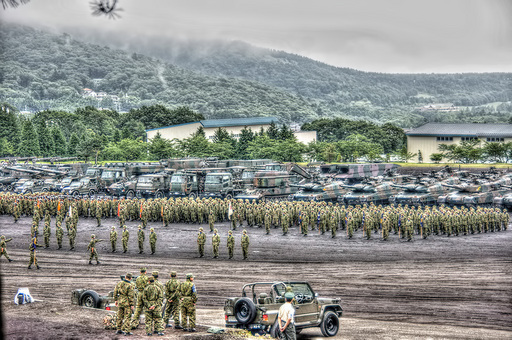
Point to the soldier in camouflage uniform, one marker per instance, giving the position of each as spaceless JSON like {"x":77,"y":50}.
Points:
{"x":59,"y":233}
{"x":152,"y":240}
{"x":201,"y":240}
{"x":33,"y":259}
{"x":172,"y":298}
{"x":3,"y":247}
{"x":211,"y":219}
{"x":215,"y":243}
{"x":231,"y":244}
{"x":188,"y":300}
{"x":245,"y":244}
{"x":140,"y":283}
{"x":72,"y":237}
{"x":125,"y":238}
{"x":161,"y":286}
{"x":124,"y":296}
{"x":113,"y":238}
{"x":140,"y":237}
{"x":47,"y":233}
{"x":152,"y":298}
{"x":92,"y":248}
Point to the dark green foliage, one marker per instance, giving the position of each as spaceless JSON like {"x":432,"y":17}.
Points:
{"x":246,"y":136}
{"x":73,"y":145}
{"x":29,"y":145}
{"x":160,"y":148}
{"x":58,"y":141}
{"x":9,"y":125}
{"x":157,"y":116}
{"x":46,"y":143}
{"x":436,"y":157}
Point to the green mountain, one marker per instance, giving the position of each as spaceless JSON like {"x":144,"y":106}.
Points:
{"x":231,"y":79}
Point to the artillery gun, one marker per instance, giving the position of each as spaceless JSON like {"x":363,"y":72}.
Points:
{"x":358,"y":172}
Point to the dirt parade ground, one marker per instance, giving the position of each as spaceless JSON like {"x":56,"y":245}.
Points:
{"x":438,"y":288}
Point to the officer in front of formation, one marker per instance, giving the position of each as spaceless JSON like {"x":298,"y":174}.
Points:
{"x":188,"y":300}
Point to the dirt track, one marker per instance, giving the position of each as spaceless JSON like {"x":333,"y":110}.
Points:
{"x":457,"y":287}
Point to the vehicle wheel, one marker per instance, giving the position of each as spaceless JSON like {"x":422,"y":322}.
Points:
{"x":92,"y":193}
{"x":159,"y":194}
{"x":90,"y":299}
{"x":75,"y":193}
{"x":192,"y":195}
{"x":298,"y":330}
{"x":130,"y":194}
{"x":245,"y":310}
{"x":46,"y":190}
{"x":28,"y":191}
{"x":229,"y":196}
{"x":9,"y":188}
{"x":330,"y":324}
{"x":275,"y":332}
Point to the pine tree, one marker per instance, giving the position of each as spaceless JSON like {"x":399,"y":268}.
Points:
{"x":46,"y":144}
{"x":59,"y":141}
{"x":29,"y":145}
{"x":73,"y":144}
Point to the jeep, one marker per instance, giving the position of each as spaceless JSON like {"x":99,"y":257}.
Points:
{"x":258,"y":308}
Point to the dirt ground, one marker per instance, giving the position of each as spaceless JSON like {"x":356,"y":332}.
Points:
{"x":438,"y":288}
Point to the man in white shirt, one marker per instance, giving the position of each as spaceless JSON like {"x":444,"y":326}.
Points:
{"x":286,"y":318}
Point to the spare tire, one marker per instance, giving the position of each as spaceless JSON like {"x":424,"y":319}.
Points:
{"x":90,"y":299}
{"x":245,"y":310}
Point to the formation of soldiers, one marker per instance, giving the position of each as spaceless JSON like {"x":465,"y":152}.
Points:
{"x":230,"y":244}
{"x":324,"y":217}
{"x":175,"y":300}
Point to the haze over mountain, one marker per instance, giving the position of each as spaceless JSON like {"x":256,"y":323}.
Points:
{"x":228,"y":79}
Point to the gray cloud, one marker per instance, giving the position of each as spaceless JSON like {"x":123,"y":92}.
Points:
{"x":372,"y":35}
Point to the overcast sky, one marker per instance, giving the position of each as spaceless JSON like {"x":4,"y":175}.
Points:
{"x":372,"y":35}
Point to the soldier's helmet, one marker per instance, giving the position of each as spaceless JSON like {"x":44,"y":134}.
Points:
{"x":140,"y":227}
{"x":143,"y":269}
{"x":128,"y":275}
{"x":93,"y":236}
{"x":124,"y":227}
{"x":245,"y":231}
{"x":2,"y":237}
{"x":201,"y":229}
{"x":152,"y":229}
{"x":190,"y":276}
{"x":215,"y":230}
{"x":113,"y":227}
{"x":155,"y":273}
{"x":230,"y":232}
{"x":151,"y":279}
{"x":174,"y":274}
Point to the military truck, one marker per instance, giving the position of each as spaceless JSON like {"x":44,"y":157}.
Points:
{"x":144,"y":186}
{"x":257,"y":309}
{"x":29,"y":186}
{"x":221,"y":185}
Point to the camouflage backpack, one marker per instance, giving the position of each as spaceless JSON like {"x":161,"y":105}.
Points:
{"x":109,"y":321}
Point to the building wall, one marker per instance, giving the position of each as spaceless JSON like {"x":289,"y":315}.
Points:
{"x":235,"y":130}
{"x":429,"y":145}
{"x":305,"y":136}
{"x":179,"y":132}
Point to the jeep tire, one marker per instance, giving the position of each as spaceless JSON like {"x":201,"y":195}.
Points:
{"x":244,"y":310}
{"x":275,"y":331}
{"x":330,"y":324}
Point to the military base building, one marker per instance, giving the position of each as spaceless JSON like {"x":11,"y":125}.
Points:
{"x":231,"y":125}
{"x":428,"y":137}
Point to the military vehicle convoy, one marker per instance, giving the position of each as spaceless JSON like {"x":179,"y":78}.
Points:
{"x":257,"y":308}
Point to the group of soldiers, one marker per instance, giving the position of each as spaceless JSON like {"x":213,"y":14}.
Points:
{"x":406,"y":221}
{"x":175,"y":300}
{"x":201,"y":241}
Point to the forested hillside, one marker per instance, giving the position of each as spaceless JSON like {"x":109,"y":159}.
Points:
{"x":217,"y":79}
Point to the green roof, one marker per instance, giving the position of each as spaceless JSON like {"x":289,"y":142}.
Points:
{"x":216,"y":123}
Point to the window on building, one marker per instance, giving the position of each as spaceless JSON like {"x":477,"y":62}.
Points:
{"x":444,"y":139}
{"x":467,"y":138}
{"x":494,"y":139}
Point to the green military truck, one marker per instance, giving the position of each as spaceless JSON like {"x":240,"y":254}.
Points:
{"x":258,"y":307}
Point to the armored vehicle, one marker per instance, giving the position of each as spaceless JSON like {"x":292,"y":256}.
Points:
{"x":358,"y":171}
{"x":319,"y":192}
{"x":187,"y":183}
{"x":368,"y":193}
{"x":420,"y":193}
{"x":269,"y":185}
{"x":504,"y":201}
{"x":84,"y":186}
{"x":257,"y":309}
{"x":461,"y":191}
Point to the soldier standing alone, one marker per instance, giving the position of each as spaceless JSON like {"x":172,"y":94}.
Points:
{"x":125,"y":238}
{"x":141,"y":283}
{"x":113,"y":238}
{"x":124,"y":295}
{"x":141,"y":237}
{"x":152,"y":298}
{"x":32,"y":248}
{"x":188,"y":304}
{"x":152,"y":240}
{"x":201,"y":240}
{"x":231,"y":244}
{"x":215,"y":243}
{"x":172,"y":297}
{"x":245,"y":244}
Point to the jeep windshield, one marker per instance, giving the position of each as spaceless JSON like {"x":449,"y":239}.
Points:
{"x":143,"y":179}
{"x":66,"y":181}
{"x":177,"y":179}
{"x":108,"y":174}
{"x":91,"y":172}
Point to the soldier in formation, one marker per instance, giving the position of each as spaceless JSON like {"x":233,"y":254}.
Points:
{"x":124,"y":297}
{"x":3,"y":246}
{"x":172,"y":300}
{"x":125,"y":238}
{"x":231,"y":244}
{"x":245,"y":244}
{"x":152,"y":240}
{"x":188,"y":298}
{"x":215,"y":243}
{"x":59,"y":234}
{"x":152,"y":298}
{"x":140,"y":238}
{"x":201,"y":240}
{"x":140,"y":284}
